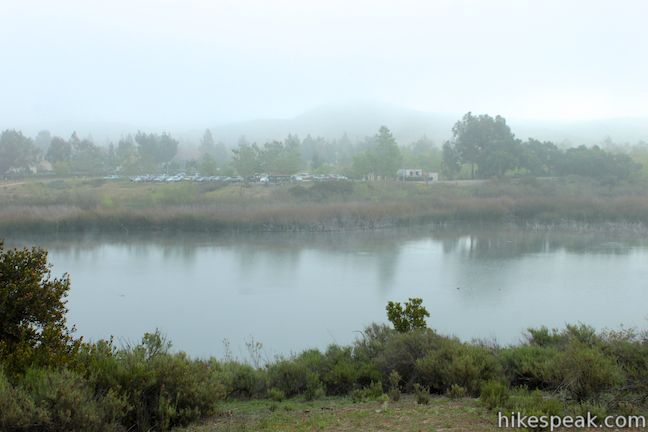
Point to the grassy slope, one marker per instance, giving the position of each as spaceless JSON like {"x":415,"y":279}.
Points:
{"x":77,"y":204}
{"x":340,"y":414}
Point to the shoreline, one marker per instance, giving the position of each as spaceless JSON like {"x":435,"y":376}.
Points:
{"x":90,"y":205}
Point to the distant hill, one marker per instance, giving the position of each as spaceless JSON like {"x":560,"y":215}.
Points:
{"x":363,"y":119}
{"x":357,"y":121}
{"x":408,"y":125}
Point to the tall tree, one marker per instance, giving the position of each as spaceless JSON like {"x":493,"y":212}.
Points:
{"x":207,"y":145}
{"x":59,"y":151}
{"x":43,"y":140}
{"x":486,"y":143}
{"x":16,"y":151}
{"x":451,"y":161}
{"x":386,"y":155}
{"x":281,"y":158}
{"x":87,"y":157}
{"x":127,"y":156}
{"x":156,"y":150}
{"x":33,"y":328}
{"x":246,"y":159}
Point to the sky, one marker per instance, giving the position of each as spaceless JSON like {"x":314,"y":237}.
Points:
{"x":194,"y":63}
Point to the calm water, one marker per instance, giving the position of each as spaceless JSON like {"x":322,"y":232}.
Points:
{"x":295,"y":291}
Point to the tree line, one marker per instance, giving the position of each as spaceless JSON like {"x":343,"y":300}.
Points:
{"x":481,"y":147}
{"x":490,"y":149}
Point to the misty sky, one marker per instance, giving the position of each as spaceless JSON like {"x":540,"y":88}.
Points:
{"x":202,"y":63}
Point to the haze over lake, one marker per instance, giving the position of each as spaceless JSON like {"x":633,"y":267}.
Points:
{"x":295,"y":291}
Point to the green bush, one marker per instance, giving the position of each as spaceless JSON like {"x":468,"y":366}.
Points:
{"x":529,"y":365}
{"x":401,"y":351}
{"x":33,"y":328}
{"x":242,"y":381}
{"x":57,"y":401}
{"x":412,"y":317}
{"x":289,"y":376}
{"x":533,"y":403}
{"x":494,"y":394}
{"x":276,"y":395}
{"x":457,"y":392}
{"x":422,"y":394}
{"x":161,"y":390}
{"x":17,"y":409}
{"x":394,"y":386}
{"x":372,"y":392}
{"x":314,"y":387}
{"x":585,"y":372}
{"x":455,"y":363}
{"x":340,"y":372}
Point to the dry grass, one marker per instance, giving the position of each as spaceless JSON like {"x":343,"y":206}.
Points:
{"x":64,"y":205}
{"x":341,"y":415}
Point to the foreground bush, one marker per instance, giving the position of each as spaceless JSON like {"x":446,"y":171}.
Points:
{"x":33,"y":330}
{"x":57,"y":401}
{"x":161,"y":390}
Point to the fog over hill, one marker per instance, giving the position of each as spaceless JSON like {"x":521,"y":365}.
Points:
{"x":359,"y":120}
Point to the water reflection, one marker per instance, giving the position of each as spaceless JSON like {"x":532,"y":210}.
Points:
{"x":294,"y":291}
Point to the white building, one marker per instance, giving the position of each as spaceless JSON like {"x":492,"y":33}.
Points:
{"x":417,"y":174}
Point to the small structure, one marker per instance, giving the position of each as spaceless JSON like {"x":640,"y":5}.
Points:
{"x":410,"y":174}
{"x":417,"y":174}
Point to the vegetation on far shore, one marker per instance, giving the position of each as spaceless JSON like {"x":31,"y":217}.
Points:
{"x":52,"y":381}
{"x":77,"y":204}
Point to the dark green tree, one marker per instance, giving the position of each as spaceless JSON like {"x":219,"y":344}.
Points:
{"x":386,"y":155}
{"x":280,"y":158}
{"x":33,"y":330}
{"x":156,"y":150}
{"x":246,"y":159}
{"x":412,"y":317}
{"x":486,"y":143}
{"x":540,"y":158}
{"x":127,"y":155}
{"x":422,"y":153}
{"x":59,"y":151}
{"x":207,"y":165}
{"x":451,"y":161}
{"x":87,"y":158}
{"x":16,"y":151}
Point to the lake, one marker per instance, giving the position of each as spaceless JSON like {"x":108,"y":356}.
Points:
{"x":293,"y":291}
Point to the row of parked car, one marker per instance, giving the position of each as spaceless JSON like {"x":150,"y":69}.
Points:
{"x":259,"y":178}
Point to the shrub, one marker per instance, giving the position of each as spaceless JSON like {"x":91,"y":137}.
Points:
{"x":456,"y":363}
{"x":585,"y":372}
{"x":533,"y":403}
{"x":422,"y":394}
{"x":543,"y":337}
{"x":372,"y":392}
{"x":412,"y":317}
{"x":494,"y":394}
{"x":17,"y":409}
{"x":276,"y":395}
{"x":314,"y":387}
{"x":63,"y":400}
{"x":394,"y":386}
{"x":457,"y":392}
{"x":162,"y":390}
{"x":341,"y":379}
{"x":529,"y":365}
{"x":289,"y":376}
{"x":401,"y":351}
{"x":241,"y":381}
{"x":33,"y":330}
